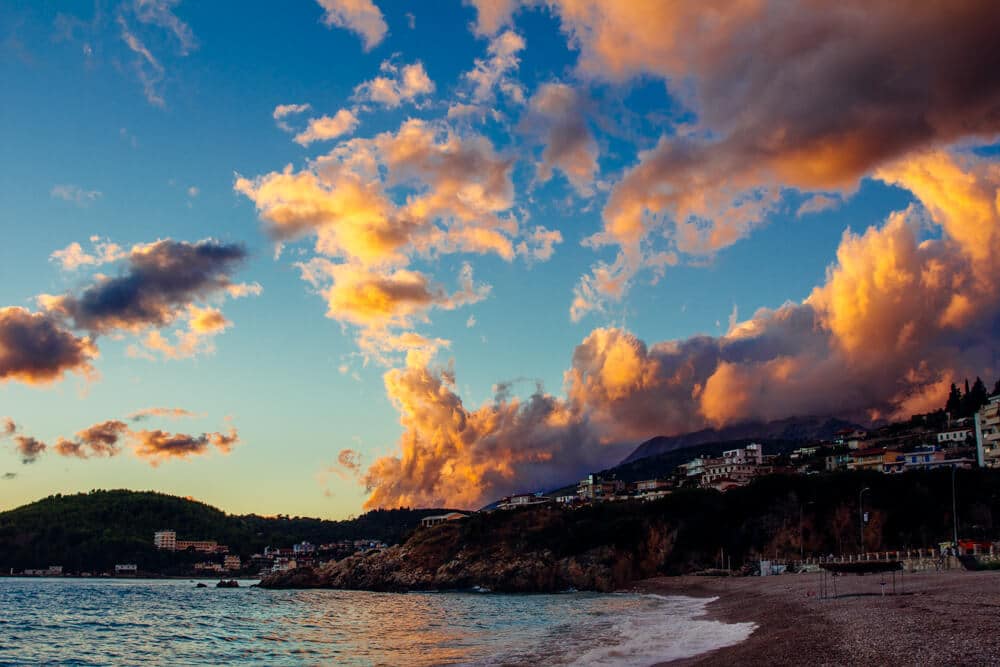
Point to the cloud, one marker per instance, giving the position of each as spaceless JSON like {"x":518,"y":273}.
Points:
{"x":159,"y":12}
{"x":282,"y":111}
{"x":202,"y":325}
{"x":359,"y":16}
{"x":147,"y":68}
{"x":99,"y":440}
{"x":325,"y":128}
{"x":401,"y":84}
{"x":156,"y":446}
{"x":161,"y":281}
{"x":784,"y":97}
{"x":29,"y":448}
{"x":555,"y":117}
{"x":818,"y":203}
{"x":350,"y":460}
{"x":75,"y":194}
{"x":376,"y":204}
{"x":171,"y":413}
{"x":905,"y":308}
{"x":494,"y":73}
{"x":73,"y":256}
{"x":492,"y":15}
{"x":464,"y":457}
{"x":36,"y":349}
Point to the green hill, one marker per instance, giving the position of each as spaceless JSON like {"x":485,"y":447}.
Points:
{"x":93,"y":531}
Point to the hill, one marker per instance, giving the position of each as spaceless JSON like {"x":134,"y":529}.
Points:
{"x":795,"y":429}
{"x":93,"y":531}
{"x":608,"y":545}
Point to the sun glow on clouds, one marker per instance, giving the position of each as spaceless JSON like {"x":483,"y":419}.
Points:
{"x":897,"y":317}
{"x":458,"y":199}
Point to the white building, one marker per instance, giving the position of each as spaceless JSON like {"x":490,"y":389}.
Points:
{"x":165,"y":540}
{"x":231,"y":562}
{"x":126,"y":568}
{"x":955,"y":435}
{"x":987,"y":421}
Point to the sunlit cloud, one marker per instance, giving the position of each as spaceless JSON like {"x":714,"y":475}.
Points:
{"x":359,"y":16}
{"x":901,"y":313}
{"x":325,"y":128}
{"x":397,"y":85}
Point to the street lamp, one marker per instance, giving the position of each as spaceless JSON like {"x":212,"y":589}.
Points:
{"x":954,"y":509}
{"x":801,"y":547}
{"x":861,"y":516}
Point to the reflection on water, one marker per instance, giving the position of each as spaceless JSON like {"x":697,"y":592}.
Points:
{"x":170,"y":622}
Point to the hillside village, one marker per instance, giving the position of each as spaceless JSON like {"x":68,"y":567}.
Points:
{"x":965,"y":434}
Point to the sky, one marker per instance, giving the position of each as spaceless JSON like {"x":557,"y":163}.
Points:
{"x":330,"y":255}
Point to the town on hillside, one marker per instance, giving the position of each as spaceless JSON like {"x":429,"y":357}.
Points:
{"x":964,"y":435}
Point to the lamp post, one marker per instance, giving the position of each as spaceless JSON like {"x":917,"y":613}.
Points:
{"x":861,"y":516}
{"x":801,"y":547}
{"x":954,"y":509}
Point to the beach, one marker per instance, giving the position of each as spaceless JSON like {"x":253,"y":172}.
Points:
{"x":937,"y":618}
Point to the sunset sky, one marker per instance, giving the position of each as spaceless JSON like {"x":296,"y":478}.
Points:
{"x":318,"y":256}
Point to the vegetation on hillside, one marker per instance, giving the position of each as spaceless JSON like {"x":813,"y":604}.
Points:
{"x":94,"y":531}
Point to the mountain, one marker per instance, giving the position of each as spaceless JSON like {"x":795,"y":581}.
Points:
{"x":796,"y":429}
{"x":93,"y":531}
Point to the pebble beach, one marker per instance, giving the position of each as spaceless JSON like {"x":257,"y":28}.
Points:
{"x":935,"y":618}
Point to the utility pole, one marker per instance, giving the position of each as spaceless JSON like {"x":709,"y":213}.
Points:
{"x":861,"y":516}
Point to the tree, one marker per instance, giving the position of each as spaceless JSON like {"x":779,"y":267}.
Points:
{"x":978,"y":396}
{"x":954,"y":405}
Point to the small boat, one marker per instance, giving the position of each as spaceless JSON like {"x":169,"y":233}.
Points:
{"x":228,"y":583}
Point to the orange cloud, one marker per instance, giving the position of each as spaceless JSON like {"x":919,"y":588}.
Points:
{"x":399,"y":85}
{"x":325,"y":128}
{"x":362,"y":17}
{"x":901,"y":313}
{"x":97,"y":440}
{"x":859,"y":93}
{"x":157,"y":446}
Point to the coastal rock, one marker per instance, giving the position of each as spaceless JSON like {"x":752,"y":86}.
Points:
{"x":521,"y":552}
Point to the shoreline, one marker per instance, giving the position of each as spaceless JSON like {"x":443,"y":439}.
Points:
{"x":938,"y":617}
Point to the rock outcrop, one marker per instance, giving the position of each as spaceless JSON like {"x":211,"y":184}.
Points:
{"x":515,"y":552}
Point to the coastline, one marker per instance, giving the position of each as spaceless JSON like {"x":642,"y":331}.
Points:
{"x":939,"y":618}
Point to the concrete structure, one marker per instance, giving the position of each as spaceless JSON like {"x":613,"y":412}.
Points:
{"x":438,"y":519}
{"x":523,"y":500}
{"x":165,"y":540}
{"x":987,"y":425}
{"x":593,"y":487}
{"x":303,"y":548}
{"x":203,"y":546}
{"x":231,"y":562}
{"x":954,"y":436}
{"x":126,"y":568}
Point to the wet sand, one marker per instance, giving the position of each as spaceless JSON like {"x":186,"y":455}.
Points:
{"x":938,"y":618}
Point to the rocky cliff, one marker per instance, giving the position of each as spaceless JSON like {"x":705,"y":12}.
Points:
{"x":528,"y":551}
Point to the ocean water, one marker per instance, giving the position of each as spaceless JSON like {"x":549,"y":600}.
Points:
{"x":171,"y":622}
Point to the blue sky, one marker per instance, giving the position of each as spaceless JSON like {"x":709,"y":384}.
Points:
{"x":95,"y":147}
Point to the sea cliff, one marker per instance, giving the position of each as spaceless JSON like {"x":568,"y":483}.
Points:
{"x":516,"y":552}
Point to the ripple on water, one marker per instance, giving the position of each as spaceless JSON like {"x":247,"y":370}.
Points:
{"x":167,"y":622}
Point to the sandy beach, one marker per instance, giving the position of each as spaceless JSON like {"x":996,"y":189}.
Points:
{"x":939,"y":618}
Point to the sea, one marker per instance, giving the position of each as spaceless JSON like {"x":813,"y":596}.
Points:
{"x":172,"y":622}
